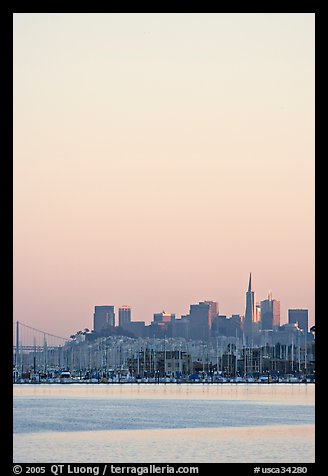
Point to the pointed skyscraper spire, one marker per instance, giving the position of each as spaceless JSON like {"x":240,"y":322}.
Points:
{"x":250,"y":312}
{"x":250,"y":282}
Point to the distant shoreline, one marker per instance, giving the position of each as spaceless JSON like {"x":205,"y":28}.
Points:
{"x":163,"y":383}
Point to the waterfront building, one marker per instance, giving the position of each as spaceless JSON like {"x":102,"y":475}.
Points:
{"x":103,"y":318}
{"x":299,"y":316}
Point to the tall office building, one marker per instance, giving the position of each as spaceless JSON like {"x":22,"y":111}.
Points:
{"x":214,"y":310}
{"x":162,"y":324}
{"x":201,"y":317}
{"x":104,"y":317}
{"x":164,"y":317}
{"x":250,"y":313}
{"x":270,"y":313}
{"x":300,"y":316}
{"x":227,"y":326}
{"x":181,"y":327}
{"x":124,"y":316}
{"x":258,"y":314}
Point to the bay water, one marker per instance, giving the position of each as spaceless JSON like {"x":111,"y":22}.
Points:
{"x":163,"y":423}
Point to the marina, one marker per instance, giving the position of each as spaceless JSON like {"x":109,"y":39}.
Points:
{"x":39,"y":357}
{"x":67,"y":378}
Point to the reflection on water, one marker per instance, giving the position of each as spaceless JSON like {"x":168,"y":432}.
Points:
{"x":275,"y":393}
{"x":151,"y":423}
{"x":291,"y":444}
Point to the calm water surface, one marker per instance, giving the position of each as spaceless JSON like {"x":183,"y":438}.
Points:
{"x":149,"y":423}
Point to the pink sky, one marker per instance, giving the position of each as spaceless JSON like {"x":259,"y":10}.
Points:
{"x":158,"y":159}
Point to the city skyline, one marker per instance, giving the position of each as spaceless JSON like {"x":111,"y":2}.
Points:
{"x":158,"y":159}
{"x":259,"y":315}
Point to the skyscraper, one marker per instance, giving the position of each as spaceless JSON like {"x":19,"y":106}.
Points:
{"x":162,"y":324}
{"x":270,"y":313}
{"x":250,"y":312}
{"x":300,"y":316}
{"x":258,"y":314}
{"x":201,"y":317}
{"x":214,"y":310}
{"x":124,"y":316}
{"x":104,"y":317}
{"x":164,"y":317}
